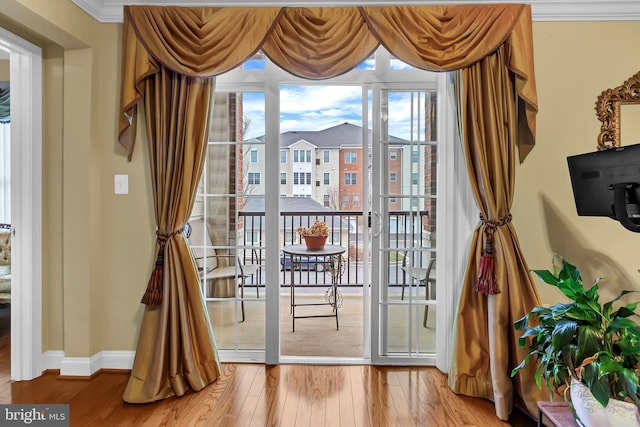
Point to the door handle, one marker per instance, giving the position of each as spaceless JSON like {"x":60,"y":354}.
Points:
{"x":378,"y":224}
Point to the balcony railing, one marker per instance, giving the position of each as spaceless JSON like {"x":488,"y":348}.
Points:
{"x":403,"y":230}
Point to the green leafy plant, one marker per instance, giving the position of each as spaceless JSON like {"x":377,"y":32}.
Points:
{"x":582,"y":340}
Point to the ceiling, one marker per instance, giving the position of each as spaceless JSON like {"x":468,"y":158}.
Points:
{"x":542,"y":10}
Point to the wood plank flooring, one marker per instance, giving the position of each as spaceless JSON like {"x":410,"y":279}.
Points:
{"x":284,"y":395}
{"x":259,"y":395}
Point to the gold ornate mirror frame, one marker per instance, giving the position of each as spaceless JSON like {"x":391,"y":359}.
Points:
{"x":608,"y":110}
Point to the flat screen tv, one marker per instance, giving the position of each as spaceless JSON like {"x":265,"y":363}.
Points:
{"x":607,"y":183}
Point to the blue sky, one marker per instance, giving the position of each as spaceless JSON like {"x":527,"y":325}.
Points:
{"x":307,"y":108}
{"x":317,"y":107}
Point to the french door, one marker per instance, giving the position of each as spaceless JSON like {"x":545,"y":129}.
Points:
{"x":412,"y":230}
{"x":404,"y":227}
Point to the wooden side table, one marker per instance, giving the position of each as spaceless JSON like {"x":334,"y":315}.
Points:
{"x":558,"y":413}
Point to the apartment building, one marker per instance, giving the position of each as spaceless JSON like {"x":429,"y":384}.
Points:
{"x":327,"y":165}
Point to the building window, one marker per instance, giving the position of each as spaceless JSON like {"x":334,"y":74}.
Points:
{"x":414,"y":178}
{"x":283,"y":156}
{"x":326,"y":200}
{"x":345,"y":201}
{"x":325,"y":156}
{"x":326,"y":178}
{"x":393,"y":177}
{"x":351,"y":157}
{"x":301,"y":156}
{"x":254,"y":178}
{"x":393,"y":155}
{"x":253,"y":156}
{"x":356,"y":200}
{"x":283,"y":178}
{"x":302,"y":178}
{"x":350,"y":179}
{"x":414,"y":156}
{"x":393,"y":200}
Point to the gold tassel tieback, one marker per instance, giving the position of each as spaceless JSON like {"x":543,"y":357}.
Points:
{"x":486,"y":281}
{"x":153,"y":294}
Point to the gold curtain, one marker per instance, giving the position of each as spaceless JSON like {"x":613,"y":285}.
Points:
{"x":447,"y":38}
{"x":176,"y":349}
{"x":485,"y":345}
{"x":318,"y":43}
{"x":491,"y":44}
{"x":197,"y":42}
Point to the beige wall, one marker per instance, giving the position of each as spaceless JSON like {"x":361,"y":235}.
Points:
{"x":98,"y":246}
{"x":574,"y":63}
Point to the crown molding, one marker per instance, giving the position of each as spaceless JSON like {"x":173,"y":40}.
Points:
{"x":542,"y":10}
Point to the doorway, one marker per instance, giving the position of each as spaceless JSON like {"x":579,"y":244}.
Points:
{"x":325,"y":148}
{"x":253,"y":136}
{"x":26,"y":207}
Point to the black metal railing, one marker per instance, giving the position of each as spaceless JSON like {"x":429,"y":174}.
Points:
{"x":403,"y":229}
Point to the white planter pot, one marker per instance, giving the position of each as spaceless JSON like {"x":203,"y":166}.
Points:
{"x":593,"y":414}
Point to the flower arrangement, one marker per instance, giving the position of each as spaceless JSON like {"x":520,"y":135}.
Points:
{"x":319,"y":228}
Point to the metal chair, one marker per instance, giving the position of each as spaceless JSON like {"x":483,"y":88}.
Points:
{"x":215,"y":275}
{"x":423,"y":276}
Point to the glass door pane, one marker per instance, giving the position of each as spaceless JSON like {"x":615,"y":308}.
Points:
{"x":321,"y":175}
{"x":227,"y":222}
{"x":404,"y":243}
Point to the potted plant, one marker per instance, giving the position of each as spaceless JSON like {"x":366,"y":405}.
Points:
{"x":585,"y":349}
{"x":315,"y":236}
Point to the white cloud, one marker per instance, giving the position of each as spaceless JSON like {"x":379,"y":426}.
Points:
{"x":317,"y":107}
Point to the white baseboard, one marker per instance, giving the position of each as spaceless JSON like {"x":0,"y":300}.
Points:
{"x":87,"y":366}
{"x":51,"y":359}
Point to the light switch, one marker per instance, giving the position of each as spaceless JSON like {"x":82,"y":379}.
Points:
{"x":121,"y":184}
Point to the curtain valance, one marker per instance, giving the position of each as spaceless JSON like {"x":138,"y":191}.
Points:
{"x":318,"y":43}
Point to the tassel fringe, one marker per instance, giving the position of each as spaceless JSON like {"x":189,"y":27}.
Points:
{"x":486,"y":281}
{"x":153,"y":295}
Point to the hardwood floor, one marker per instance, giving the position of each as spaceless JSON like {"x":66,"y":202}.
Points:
{"x":259,"y":395}
{"x":285,"y":395}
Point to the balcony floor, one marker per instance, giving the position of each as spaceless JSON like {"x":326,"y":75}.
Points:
{"x":315,"y":336}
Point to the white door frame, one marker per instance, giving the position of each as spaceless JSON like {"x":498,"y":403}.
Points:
{"x":26,"y":205}
{"x":379,"y":329}
{"x":457,"y":215}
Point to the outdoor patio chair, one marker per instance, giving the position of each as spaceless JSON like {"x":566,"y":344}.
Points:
{"x":217,"y":276}
{"x":423,"y":276}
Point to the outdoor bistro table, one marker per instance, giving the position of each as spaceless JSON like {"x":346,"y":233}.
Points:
{"x":333,"y":266}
